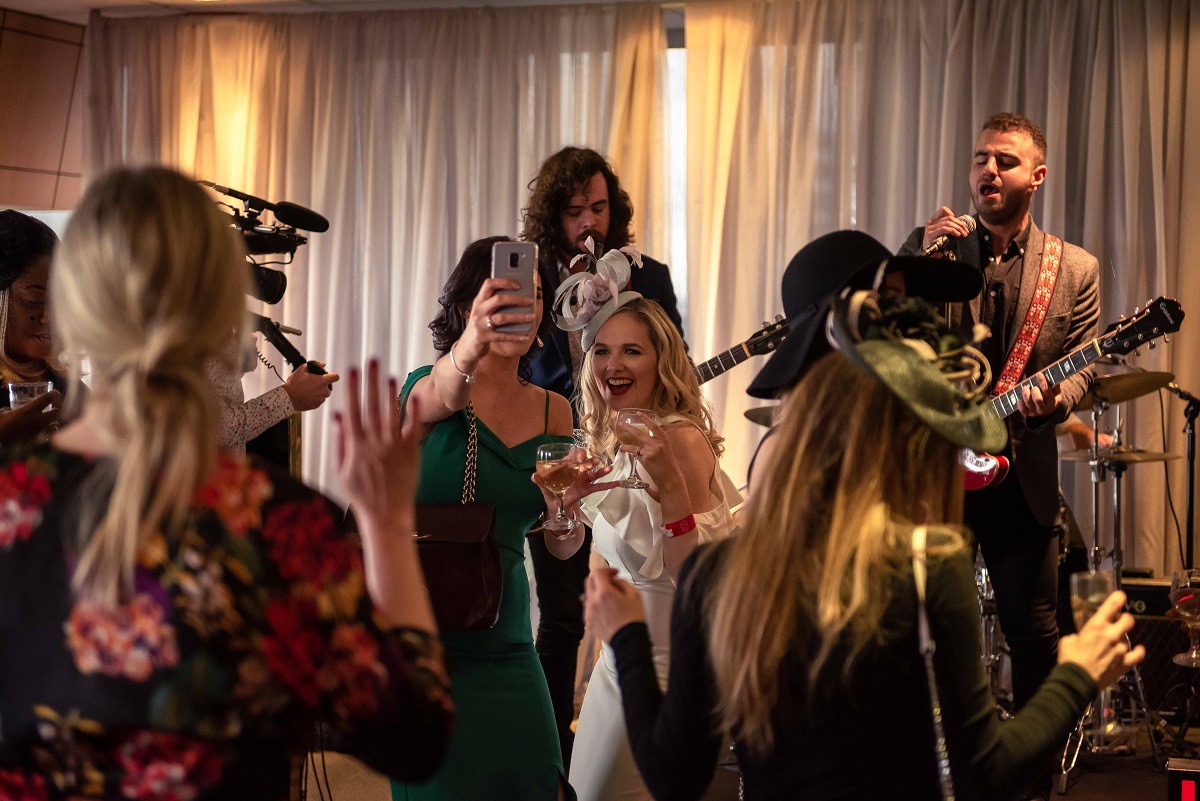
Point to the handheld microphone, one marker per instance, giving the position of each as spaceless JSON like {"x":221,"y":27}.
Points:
{"x":940,"y":242}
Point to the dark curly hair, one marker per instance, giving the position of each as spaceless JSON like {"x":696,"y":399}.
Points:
{"x":560,"y":177}
{"x":473,"y":268}
{"x":23,"y":240}
{"x":1004,"y":123}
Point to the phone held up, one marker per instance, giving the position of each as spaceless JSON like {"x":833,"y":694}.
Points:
{"x":516,"y":261}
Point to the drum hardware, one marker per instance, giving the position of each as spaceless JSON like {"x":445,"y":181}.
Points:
{"x":762,"y":415}
{"x":1091,"y":734}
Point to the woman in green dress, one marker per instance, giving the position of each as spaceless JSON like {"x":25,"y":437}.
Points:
{"x":504,"y":744}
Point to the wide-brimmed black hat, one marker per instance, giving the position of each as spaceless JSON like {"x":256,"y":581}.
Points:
{"x":914,"y":354}
{"x":830,"y":263}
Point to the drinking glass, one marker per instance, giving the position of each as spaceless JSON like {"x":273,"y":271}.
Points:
{"x":1088,"y":592}
{"x":1185,"y":596}
{"x":558,"y":471}
{"x":633,"y":418}
{"x":22,"y":392}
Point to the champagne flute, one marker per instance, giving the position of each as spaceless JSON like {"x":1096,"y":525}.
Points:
{"x":633,"y":418}
{"x":1088,"y":591}
{"x":1185,"y":596}
{"x":557,"y":472}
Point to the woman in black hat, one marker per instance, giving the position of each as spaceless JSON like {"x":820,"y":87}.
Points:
{"x":799,"y":639}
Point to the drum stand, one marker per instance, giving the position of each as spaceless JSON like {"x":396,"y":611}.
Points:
{"x":1099,"y":738}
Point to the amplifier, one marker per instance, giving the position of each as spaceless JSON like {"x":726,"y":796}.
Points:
{"x":1148,"y":597}
{"x":1167,"y":685}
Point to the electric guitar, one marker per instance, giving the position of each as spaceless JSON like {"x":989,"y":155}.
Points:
{"x":1161,"y":316}
{"x":764,"y":341}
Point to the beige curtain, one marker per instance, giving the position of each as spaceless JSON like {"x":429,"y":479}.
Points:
{"x":805,"y":116}
{"x":413,"y":132}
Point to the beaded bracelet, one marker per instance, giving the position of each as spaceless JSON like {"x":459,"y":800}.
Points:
{"x":680,"y":527}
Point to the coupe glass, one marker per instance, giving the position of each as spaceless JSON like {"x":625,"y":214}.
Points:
{"x":557,"y":470}
{"x":634,"y":419}
{"x":1185,"y":596}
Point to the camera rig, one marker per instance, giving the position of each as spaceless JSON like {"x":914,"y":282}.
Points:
{"x":280,"y":238}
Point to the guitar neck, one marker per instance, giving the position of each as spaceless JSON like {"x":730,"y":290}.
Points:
{"x":1006,"y":403}
{"x":721,"y":362}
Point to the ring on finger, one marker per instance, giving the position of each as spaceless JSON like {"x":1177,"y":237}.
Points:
{"x":488,"y":322}
{"x":638,"y":452}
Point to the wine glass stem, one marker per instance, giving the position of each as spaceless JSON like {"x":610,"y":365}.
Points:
{"x":633,"y":473}
{"x":1194,"y":636}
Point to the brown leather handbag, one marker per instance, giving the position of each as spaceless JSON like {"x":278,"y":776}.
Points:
{"x":459,"y":552}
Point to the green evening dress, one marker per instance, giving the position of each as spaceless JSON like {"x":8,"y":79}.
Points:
{"x":504,"y":744}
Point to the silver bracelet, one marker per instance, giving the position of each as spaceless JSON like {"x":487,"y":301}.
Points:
{"x":467,"y":377}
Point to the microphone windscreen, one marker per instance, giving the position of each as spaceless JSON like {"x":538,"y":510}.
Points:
{"x":300,"y":217}
{"x":969,"y":221}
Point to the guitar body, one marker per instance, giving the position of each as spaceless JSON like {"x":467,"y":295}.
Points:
{"x":1161,"y":316}
{"x":982,"y":469}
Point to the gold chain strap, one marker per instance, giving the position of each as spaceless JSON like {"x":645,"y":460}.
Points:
{"x":468,"y":495}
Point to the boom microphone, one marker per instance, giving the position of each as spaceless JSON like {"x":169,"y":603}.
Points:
{"x":940,"y":242}
{"x":300,"y":217}
{"x":286,"y":213}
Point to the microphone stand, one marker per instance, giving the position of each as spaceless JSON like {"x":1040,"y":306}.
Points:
{"x":1190,"y":412}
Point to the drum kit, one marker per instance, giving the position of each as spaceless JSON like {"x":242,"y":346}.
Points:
{"x":1104,"y":732}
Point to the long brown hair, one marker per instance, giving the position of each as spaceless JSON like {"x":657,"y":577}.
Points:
{"x":677,"y":391}
{"x":149,"y":284}
{"x":828,"y":528}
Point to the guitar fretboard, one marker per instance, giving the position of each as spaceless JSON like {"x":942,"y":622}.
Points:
{"x":1005,"y":404}
{"x":721,"y":362}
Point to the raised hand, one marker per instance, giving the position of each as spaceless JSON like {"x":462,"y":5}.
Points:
{"x":943,"y":222}
{"x":655,"y":453}
{"x":1102,"y":646}
{"x":377,"y":460}
{"x":480,"y":334}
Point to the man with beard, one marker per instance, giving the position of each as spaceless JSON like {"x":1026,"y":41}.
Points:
{"x":1014,"y":521}
{"x":575,"y":195}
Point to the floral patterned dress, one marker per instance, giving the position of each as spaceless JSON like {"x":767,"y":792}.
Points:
{"x":241,"y":633}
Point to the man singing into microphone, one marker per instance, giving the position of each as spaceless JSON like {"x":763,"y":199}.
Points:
{"x":1014,"y":521}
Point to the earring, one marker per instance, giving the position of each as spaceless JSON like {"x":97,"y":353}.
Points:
{"x":540,"y":344}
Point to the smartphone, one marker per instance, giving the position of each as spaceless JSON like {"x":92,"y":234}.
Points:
{"x":516,"y":261}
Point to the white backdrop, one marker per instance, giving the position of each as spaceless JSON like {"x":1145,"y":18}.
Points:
{"x":810,"y":115}
{"x":416,"y":132}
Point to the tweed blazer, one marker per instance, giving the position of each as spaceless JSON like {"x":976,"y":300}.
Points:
{"x":1071,"y":321}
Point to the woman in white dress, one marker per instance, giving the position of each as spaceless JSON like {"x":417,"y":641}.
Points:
{"x":634,"y":358}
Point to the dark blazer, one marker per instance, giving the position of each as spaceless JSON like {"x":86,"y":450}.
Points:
{"x":551,"y":365}
{"x":1070,"y":322}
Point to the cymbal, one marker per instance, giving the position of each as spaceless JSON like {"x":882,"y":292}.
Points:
{"x":763,"y":415}
{"x":1120,"y":387}
{"x":1119,"y":455}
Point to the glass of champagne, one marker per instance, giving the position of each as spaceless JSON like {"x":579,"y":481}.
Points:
{"x":558,"y":472}
{"x":1088,"y":592}
{"x":633,"y":418}
{"x":1185,"y":596}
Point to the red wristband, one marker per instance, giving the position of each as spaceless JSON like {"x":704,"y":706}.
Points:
{"x":680,"y":527}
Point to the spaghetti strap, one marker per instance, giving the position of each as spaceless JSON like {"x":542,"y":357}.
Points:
{"x":546,"y":422}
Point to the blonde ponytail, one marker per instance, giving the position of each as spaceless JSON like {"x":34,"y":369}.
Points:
{"x":149,"y":285}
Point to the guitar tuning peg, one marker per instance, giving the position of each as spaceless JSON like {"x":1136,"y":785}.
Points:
{"x":1153,"y":345}
{"x":779,"y":318}
{"x":766,"y":324}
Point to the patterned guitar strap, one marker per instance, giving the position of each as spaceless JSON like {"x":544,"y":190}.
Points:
{"x":1014,"y":366}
